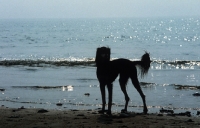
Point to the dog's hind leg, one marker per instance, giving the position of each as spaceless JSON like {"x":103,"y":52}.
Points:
{"x":138,"y":88}
{"x":123,"y":81}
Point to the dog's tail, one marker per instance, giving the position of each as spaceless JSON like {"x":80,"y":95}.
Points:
{"x":144,"y":64}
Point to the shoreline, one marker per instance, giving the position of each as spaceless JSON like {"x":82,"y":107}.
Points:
{"x":37,"y":118}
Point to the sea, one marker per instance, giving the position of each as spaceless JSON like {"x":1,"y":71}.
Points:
{"x":49,"y":63}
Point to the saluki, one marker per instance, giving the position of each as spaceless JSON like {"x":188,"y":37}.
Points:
{"x":107,"y":72}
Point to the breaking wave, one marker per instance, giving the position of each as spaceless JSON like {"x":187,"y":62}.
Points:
{"x":49,"y":63}
{"x":178,"y":64}
{"x":64,"y":88}
{"x":156,"y":64}
{"x":180,"y":87}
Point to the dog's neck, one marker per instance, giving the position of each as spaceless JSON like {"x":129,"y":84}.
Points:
{"x":102,"y":62}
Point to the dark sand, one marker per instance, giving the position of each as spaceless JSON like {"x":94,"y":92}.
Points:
{"x":39,"y":118}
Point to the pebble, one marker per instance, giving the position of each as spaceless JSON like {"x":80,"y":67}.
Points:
{"x":2,"y":89}
{"x":59,"y":104}
{"x":87,"y":94}
{"x":14,"y":116}
{"x":198,"y":112}
{"x":160,"y":115}
{"x":80,"y":115}
{"x":190,"y":120}
{"x":22,"y":107}
{"x":74,"y":110}
{"x":42,"y":111}
{"x":166,"y":111}
{"x":196,"y":94}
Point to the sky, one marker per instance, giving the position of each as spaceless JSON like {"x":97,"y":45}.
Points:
{"x":97,"y":8}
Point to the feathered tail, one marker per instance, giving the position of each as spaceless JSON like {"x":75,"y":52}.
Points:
{"x":144,"y":64}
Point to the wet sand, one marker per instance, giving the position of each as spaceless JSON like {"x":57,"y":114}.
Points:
{"x":41,"y":118}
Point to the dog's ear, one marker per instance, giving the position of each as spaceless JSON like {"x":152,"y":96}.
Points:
{"x":98,"y":53}
{"x":108,"y":53}
{"x":108,"y":50}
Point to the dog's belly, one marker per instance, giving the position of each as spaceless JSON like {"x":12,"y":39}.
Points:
{"x":106,"y":76}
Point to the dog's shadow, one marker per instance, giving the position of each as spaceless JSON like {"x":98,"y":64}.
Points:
{"x":105,"y":119}
{"x":109,"y":119}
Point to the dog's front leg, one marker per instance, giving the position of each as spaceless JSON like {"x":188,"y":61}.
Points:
{"x":103,"y":96}
{"x":110,"y":91}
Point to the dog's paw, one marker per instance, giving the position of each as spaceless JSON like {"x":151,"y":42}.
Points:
{"x":145,"y":111}
{"x":123,"y":111}
{"x":109,"y":113}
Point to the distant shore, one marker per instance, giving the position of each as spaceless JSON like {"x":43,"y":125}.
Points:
{"x":37,"y":118}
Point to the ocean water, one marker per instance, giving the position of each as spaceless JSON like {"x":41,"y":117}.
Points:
{"x":48,"y":61}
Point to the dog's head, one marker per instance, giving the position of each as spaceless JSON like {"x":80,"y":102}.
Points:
{"x":102,"y":55}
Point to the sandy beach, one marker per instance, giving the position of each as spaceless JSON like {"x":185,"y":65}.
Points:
{"x":42,"y":118}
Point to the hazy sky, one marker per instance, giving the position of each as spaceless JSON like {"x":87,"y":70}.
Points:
{"x":97,"y":8}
